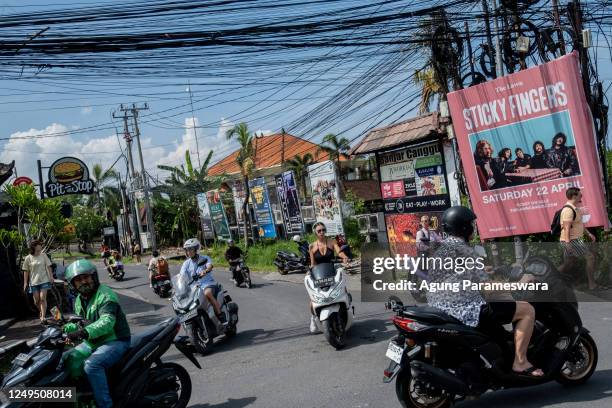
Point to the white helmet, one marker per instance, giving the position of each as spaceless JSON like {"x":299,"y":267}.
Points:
{"x":296,"y":238}
{"x":192,"y":243}
{"x":230,"y":242}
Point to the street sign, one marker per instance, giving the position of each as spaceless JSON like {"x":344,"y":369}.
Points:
{"x":109,"y":231}
{"x":19,"y":181}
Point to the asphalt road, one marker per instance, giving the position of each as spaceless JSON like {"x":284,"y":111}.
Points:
{"x":274,"y":361}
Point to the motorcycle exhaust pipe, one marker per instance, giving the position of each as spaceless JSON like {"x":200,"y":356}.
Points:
{"x":439,"y":377}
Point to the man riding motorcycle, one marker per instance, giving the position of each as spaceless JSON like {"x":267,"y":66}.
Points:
{"x":469,"y":306}
{"x":232,"y":255}
{"x":201,"y":265}
{"x":106,"y":328}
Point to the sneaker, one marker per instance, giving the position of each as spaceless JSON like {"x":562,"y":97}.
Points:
{"x":313,"y":325}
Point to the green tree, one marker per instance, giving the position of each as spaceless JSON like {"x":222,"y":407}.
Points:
{"x":335,"y":147}
{"x":299,"y":165}
{"x":246,"y":162}
{"x":43,"y":217}
{"x":88,"y":224}
{"x":105,"y":197}
{"x":177,"y":215}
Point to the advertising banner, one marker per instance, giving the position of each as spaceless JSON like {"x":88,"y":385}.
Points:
{"x":217,"y":214}
{"x":413,"y":179}
{"x":524,"y":139}
{"x":325,"y":196}
{"x":239,"y":197}
{"x":263,"y":210}
{"x":402,"y":230}
{"x":205,"y":219}
{"x":68,"y":175}
{"x":289,"y":203}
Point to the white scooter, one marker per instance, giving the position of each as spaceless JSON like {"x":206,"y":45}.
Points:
{"x":197,"y":315}
{"x":326,"y":286}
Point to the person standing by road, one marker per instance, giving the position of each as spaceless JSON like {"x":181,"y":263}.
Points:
{"x":572,"y":237}
{"x":137,"y":252}
{"x":38,"y":277}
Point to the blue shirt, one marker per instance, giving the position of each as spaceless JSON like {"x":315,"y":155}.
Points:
{"x":190,"y":267}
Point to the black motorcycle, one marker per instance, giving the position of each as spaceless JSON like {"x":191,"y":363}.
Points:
{"x":161,"y":285}
{"x":289,"y":262}
{"x":437,"y":360}
{"x":140,"y":378}
{"x":240,"y":273}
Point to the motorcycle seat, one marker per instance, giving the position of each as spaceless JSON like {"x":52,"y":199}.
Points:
{"x":136,"y":342}
{"x":429,"y":314}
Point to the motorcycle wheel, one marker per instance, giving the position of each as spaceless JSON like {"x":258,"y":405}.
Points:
{"x":333,"y":328}
{"x":247,"y":279}
{"x":183,"y":384}
{"x":282,"y":271}
{"x":409,"y":398}
{"x":119,"y":276}
{"x":581,"y":363}
{"x":200,"y":341}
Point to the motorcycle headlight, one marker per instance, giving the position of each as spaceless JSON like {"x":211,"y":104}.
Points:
{"x":336,"y":292}
{"x":194,"y":304}
{"x":318,"y":298}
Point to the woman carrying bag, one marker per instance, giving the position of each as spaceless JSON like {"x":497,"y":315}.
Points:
{"x":38,"y":277}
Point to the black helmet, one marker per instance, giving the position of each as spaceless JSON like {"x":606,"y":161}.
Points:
{"x":457,"y":221}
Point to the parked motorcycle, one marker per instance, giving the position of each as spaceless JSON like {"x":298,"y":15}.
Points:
{"x":289,"y":262}
{"x":332,"y":304}
{"x":437,"y":360}
{"x":140,"y":378}
{"x":241,"y":272}
{"x":162,"y":285}
{"x":197,"y":315}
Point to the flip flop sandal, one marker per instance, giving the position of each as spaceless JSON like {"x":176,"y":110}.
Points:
{"x":528,"y":372}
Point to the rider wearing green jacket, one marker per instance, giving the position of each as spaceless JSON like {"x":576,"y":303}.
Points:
{"x":106,"y":328}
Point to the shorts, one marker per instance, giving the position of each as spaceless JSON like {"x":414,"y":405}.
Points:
{"x":38,"y":288}
{"x":499,"y":312}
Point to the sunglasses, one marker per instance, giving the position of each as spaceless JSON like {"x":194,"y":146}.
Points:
{"x":321,"y":230}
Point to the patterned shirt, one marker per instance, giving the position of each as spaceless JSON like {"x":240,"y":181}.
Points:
{"x":463,"y":304}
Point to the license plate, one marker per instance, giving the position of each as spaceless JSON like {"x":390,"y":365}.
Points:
{"x":189,"y":315}
{"x":394,"y":352}
{"x":324,"y":282}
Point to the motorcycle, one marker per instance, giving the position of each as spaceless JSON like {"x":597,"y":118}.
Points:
{"x":289,"y":262}
{"x":140,"y":378}
{"x":332,"y":304}
{"x":162,"y":285}
{"x":437,"y":360}
{"x":197,"y":315}
{"x":241,"y":272}
{"x":116,"y":272}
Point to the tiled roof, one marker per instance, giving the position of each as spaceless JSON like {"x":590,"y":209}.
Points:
{"x":270,"y":151}
{"x":399,"y":133}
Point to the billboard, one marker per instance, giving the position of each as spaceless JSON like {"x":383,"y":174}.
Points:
{"x":402,"y":230}
{"x":217,"y":214}
{"x":239,"y":197}
{"x":205,"y":219}
{"x":524,"y":139}
{"x":68,"y":175}
{"x":413,"y":179}
{"x":263,"y":212}
{"x":325,"y":196}
{"x":289,"y":202}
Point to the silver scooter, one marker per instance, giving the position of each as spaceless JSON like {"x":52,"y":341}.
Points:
{"x":197,"y":314}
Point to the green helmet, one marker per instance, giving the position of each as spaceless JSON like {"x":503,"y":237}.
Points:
{"x":81,"y":267}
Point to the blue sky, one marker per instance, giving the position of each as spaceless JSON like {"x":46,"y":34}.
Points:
{"x":82,"y":107}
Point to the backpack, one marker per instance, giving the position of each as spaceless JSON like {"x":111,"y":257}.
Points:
{"x":555,"y":227}
{"x":162,"y":266}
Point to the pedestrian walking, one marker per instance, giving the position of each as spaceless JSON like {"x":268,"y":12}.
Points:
{"x":572,"y":237}
{"x":37,"y":277}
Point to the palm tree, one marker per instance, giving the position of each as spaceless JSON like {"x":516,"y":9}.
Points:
{"x":299,"y":165}
{"x":430,"y":87}
{"x":335,"y":148}
{"x":182,"y":185}
{"x":104,"y":196}
{"x":246,"y":162}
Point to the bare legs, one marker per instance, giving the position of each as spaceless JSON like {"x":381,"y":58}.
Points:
{"x":524,"y":317}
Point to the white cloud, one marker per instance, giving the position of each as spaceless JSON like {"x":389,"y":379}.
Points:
{"x":86,"y":110}
{"x":105,"y":150}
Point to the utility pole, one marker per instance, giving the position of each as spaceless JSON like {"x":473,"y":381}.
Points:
{"x":195,"y":131}
{"x":132,"y":174}
{"x":498,"y":55}
{"x":485,"y":9}
{"x":560,"y":38}
{"x":143,"y":179}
